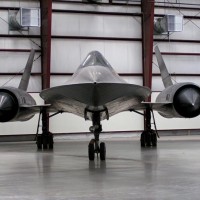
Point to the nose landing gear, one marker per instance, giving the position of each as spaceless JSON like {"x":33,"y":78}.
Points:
{"x":94,"y":146}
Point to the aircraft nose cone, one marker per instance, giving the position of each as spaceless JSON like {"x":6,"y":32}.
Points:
{"x":7,"y":107}
{"x":187,"y":101}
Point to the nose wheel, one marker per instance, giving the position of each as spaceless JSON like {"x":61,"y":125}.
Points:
{"x":91,"y":150}
{"x":102,"y":151}
{"x":95,"y":148}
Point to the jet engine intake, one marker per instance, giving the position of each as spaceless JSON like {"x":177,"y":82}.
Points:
{"x":14,"y":105}
{"x":8,"y":106}
{"x":187,"y":101}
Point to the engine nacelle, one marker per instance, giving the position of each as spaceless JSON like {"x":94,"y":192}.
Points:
{"x":12,"y":102}
{"x":185,"y":99}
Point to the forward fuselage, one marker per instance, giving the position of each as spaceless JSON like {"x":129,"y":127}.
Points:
{"x":95,"y":87}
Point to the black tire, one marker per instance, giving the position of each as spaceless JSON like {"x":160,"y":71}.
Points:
{"x":102,"y":151}
{"x":51,"y":142}
{"x":142,"y":140}
{"x":39,"y":142}
{"x":154,"y":139}
{"x":45,"y":142}
{"x":91,"y":152}
{"x":148,"y":139}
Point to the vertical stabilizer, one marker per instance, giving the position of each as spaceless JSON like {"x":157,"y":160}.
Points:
{"x":166,"y":78}
{"x":27,"y":72}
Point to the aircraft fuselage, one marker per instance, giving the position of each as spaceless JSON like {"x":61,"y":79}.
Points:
{"x":95,"y":87}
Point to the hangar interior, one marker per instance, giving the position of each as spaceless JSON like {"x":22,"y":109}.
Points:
{"x":123,"y":31}
{"x":63,"y":32}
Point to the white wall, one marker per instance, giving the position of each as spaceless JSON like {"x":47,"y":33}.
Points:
{"x":14,"y":62}
{"x":67,"y":55}
{"x":69,"y":123}
{"x":96,"y":25}
{"x":94,"y":7}
{"x":19,"y":3}
{"x":179,"y":64}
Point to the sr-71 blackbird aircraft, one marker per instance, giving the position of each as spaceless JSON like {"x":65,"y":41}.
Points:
{"x":96,"y":92}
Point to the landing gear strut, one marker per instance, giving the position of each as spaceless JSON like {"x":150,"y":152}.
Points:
{"x":45,"y":140}
{"x":149,"y":136}
{"x":94,"y":146}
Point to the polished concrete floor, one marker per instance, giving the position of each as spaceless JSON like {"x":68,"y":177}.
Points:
{"x":170,"y":172}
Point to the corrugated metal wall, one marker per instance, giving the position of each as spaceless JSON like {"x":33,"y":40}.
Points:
{"x":114,"y":30}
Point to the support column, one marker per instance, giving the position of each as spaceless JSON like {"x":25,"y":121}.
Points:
{"x":147,"y":7}
{"x":46,"y":20}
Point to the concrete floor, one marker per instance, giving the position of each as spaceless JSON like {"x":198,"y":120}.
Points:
{"x":170,"y":172}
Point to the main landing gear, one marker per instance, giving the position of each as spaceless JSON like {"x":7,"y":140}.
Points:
{"x":94,"y":147}
{"x":149,"y":136}
{"x":45,"y":140}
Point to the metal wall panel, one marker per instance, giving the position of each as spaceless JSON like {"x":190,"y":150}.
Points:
{"x":175,"y":11}
{"x":96,"y":25}
{"x":3,"y":20}
{"x":191,"y":30}
{"x":69,"y":123}
{"x":183,"y":47}
{"x":34,"y":83}
{"x":20,"y":58}
{"x":19,"y":3}
{"x":157,"y":84}
{"x":125,"y":57}
{"x":18,"y":43}
{"x":99,"y":8}
{"x":180,"y":64}
{"x":177,"y":3}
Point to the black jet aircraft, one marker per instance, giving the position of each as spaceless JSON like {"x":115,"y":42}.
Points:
{"x":96,"y":92}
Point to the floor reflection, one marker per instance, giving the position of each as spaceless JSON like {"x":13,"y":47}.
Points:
{"x":97,"y":164}
{"x":44,"y":162}
{"x":149,"y":157}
